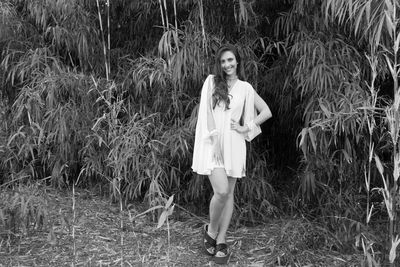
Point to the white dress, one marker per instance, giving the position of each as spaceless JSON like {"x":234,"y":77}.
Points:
{"x":232,"y":143}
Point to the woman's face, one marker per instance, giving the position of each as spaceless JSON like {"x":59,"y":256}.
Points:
{"x":229,"y":63}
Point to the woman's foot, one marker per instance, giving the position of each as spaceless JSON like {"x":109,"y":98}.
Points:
{"x":209,"y":243}
{"x":222,"y":254}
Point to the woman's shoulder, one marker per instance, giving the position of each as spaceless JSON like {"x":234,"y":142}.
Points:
{"x":246,"y":85}
{"x":210,"y":78}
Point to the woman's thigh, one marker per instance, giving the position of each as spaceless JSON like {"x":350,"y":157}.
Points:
{"x":231,"y":184}
{"x":219,"y":180}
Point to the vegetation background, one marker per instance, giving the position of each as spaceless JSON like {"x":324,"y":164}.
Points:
{"x":103,"y":95}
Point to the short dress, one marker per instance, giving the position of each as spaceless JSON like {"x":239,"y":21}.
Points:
{"x":232,"y":143}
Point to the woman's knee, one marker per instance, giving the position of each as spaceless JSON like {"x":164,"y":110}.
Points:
{"x":220,"y":183}
{"x":222,"y":193}
{"x":230,"y":194}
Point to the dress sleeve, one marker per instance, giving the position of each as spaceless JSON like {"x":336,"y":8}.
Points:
{"x":205,"y":105}
{"x":202,"y":150}
{"x":250,"y":113}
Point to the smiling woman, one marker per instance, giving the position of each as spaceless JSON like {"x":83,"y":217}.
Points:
{"x":227,"y":118}
{"x":229,"y":64}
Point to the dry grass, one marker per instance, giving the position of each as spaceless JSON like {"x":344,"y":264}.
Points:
{"x":291,"y":242}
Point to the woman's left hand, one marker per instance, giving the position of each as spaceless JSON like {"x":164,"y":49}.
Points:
{"x":238,"y":128}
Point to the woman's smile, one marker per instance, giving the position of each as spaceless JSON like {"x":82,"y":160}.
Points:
{"x":229,"y":63}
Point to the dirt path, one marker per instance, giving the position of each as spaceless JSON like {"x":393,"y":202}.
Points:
{"x":97,"y":235}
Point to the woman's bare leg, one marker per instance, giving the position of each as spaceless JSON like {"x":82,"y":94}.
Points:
{"x":220,"y":185}
{"x":226,"y":215}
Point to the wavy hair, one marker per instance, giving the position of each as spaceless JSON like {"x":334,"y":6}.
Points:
{"x":220,"y":93}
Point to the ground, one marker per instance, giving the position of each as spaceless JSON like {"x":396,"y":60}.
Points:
{"x":97,"y":239}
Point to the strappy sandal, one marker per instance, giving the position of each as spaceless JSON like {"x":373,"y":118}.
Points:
{"x":222,"y":254}
{"x":208,"y":243}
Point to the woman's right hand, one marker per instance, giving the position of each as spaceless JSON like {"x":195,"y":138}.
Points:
{"x":216,"y":151}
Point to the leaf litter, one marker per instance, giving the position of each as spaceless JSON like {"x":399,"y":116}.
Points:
{"x":98,"y":240}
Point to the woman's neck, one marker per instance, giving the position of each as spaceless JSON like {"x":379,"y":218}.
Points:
{"x":231,"y":77}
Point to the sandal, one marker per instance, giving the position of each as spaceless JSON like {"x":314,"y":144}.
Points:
{"x":209,"y":243}
{"x":222,"y":254}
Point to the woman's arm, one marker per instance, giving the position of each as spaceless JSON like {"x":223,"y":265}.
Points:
{"x":262,"y":108}
{"x":264,"y":114}
{"x":211,"y":127}
{"x":210,"y":117}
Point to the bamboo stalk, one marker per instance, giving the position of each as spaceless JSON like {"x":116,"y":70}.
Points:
{"x":396,"y":103}
{"x":175,"y":16}
{"x":121,"y":222}
{"x":73,"y":224}
{"x":368,"y":182}
{"x":162,"y":14}
{"x":394,"y":120}
{"x":203,"y":31}
{"x":371,"y":125}
{"x":167,"y":23}
{"x":108,"y":34}
{"x":102,"y":39}
{"x":166,"y":14}
{"x":395,"y":66}
{"x":169,"y":242}
{"x":176,"y":26}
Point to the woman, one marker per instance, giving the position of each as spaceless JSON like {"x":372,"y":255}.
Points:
{"x":227,"y":117}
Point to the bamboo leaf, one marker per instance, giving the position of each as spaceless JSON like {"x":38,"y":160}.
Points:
{"x":390,"y":66}
{"x":171,"y":210}
{"x":328,"y":9}
{"x":368,"y":11}
{"x":392,"y":254}
{"x":313,"y":139}
{"x":389,"y":23}
{"x":389,"y":6}
{"x":379,"y":165}
{"x":303,"y":141}
{"x":396,"y":44}
{"x":378,"y":32}
{"x":169,"y":202}
{"x":324,"y":109}
{"x":98,"y":121}
{"x":346,"y":156}
{"x":149,"y":210}
{"x":357,"y":22}
{"x":162,"y":218}
{"x":371,"y":152}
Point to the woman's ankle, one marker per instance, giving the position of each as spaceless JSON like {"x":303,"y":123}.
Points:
{"x":211,"y":232}
{"x":221,"y":239}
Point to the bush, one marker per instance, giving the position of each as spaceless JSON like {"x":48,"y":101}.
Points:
{"x":23,"y":209}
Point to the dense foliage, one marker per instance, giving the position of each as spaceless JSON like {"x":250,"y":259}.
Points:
{"x":105,"y":95}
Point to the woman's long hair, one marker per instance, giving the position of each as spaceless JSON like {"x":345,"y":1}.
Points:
{"x":221,"y":86}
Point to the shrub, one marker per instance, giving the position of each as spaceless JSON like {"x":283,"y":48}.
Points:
{"x":23,"y":209}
